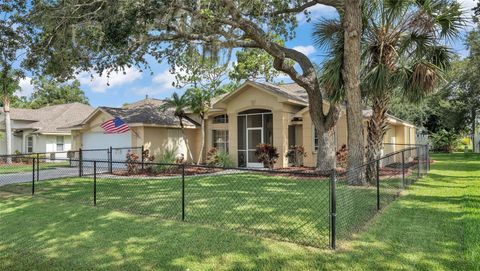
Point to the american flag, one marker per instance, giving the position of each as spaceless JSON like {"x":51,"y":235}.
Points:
{"x":115,"y":126}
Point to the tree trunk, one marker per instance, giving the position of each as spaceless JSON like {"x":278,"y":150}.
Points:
{"x":352,"y":23}
{"x":8,"y":127}
{"x":376,"y":128}
{"x":474,"y":118}
{"x":202,"y":144}
{"x":326,"y":150}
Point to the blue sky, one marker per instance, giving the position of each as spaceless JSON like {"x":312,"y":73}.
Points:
{"x":134,"y":85}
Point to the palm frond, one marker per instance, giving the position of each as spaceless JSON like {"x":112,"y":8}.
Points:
{"x":327,"y":32}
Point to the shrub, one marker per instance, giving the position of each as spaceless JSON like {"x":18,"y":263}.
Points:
{"x":132,"y":162}
{"x":444,"y":140}
{"x":167,"y":157}
{"x":267,"y":154}
{"x":218,"y":158}
{"x":147,"y":158}
{"x":341,"y":155}
{"x":295,"y":153}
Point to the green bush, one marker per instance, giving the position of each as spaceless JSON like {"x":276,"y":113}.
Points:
{"x":167,"y":157}
{"x":444,"y":141}
{"x":219,"y":158}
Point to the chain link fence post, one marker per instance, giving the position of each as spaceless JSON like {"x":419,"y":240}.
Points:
{"x":378,"y":184}
{"x":418,"y":163}
{"x":143,"y":160}
{"x":183,"y":192}
{"x":110,"y":160}
{"x":80,"y":162}
{"x":403,"y":169}
{"x":33,"y":176}
{"x":94,"y":183}
{"x":333,"y":210}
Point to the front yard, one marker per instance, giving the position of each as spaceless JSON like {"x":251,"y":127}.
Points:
{"x":432,"y":228}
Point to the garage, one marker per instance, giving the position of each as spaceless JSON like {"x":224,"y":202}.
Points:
{"x":96,"y":144}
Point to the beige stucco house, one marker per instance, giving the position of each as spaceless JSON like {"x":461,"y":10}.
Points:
{"x":252,"y":114}
{"x":156,"y":130}
{"x":279,"y":115}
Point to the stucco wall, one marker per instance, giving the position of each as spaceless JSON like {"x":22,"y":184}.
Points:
{"x":253,"y":98}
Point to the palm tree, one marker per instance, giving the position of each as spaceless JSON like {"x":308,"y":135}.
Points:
{"x":9,"y":85}
{"x":179,"y":104}
{"x":200,"y":102}
{"x":404,"y":48}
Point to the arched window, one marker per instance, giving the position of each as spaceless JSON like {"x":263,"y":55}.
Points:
{"x":220,"y":119}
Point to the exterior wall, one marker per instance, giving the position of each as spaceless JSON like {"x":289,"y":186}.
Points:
{"x":158,"y":139}
{"x":253,"y":98}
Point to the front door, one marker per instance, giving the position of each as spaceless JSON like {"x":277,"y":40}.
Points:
{"x":254,"y":137}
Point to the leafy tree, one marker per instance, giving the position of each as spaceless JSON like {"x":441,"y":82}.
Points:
{"x":253,"y":64}
{"x":48,"y":91}
{"x":179,"y":104}
{"x":14,"y":35}
{"x":78,"y":35}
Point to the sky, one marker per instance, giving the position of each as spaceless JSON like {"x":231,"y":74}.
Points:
{"x":133,"y":85}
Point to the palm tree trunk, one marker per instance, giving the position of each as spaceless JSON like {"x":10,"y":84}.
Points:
{"x":376,"y":129}
{"x":352,"y":22}
{"x":8,"y":127}
{"x":202,"y":144}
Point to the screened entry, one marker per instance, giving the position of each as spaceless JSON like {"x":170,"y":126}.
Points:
{"x":255,"y":126}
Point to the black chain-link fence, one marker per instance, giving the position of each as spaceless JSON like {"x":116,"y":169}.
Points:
{"x":301,"y":207}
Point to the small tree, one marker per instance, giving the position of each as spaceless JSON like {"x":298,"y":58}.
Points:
{"x":179,"y":103}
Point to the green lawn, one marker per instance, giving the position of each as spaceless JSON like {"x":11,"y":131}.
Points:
{"x":435,"y":226}
{"x":16,"y":168}
{"x":290,"y":209}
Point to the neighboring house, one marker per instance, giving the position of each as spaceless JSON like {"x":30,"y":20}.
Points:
{"x":279,"y":115}
{"x":43,"y":130}
{"x":150,"y":127}
{"x":237,"y":122}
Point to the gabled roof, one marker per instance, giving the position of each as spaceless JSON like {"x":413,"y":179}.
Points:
{"x":292,"y":91}
{"x":145,"y":112}
{"x":51,"y":119}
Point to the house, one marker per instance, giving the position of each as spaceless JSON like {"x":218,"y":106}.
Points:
{"x":156,"y":130}
{"x":279,"y":115}
{"x":43,"y":130}
{"x":238,"y":121}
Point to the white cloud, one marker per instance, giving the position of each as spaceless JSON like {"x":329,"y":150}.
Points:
{"x":306,"y":50}
{"x":164,"y":80}
{"x":102,"y":83}
{"x":316,"y":12}
{"x":26,"y":87}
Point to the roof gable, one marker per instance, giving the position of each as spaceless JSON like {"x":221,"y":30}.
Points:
{"x":288,"y":92}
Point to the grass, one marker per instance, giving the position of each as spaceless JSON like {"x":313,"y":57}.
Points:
{"x":435,"y":226}
{"x":17,"y":168}
{"x":289,"y":209}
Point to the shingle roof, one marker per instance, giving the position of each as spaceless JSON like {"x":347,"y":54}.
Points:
{"x":147,"y":112}
{"x":51,"y":119}
{"x":291,"y":91}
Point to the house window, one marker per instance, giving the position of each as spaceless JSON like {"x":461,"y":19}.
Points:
{"x":60,"y":143}
{"x":220,"y":140}
{"x":30,"y":144}
{"x":220,"y":119}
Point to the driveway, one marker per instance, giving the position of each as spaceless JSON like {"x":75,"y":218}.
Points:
{"x":45,"y":174}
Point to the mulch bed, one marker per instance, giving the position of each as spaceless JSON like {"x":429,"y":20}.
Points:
{"x":189,"y":171}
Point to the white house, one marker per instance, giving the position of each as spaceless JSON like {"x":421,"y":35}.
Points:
{"x":43,"y":130}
